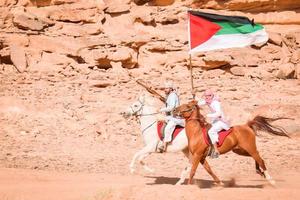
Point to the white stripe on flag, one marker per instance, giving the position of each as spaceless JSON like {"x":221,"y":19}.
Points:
{"x":231,"y":41}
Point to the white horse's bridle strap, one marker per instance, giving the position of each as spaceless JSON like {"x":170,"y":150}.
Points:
{"x":140,"y":109}
{"x":147,"y":127}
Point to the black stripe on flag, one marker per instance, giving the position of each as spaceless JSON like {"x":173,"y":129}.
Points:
{"x":215,"y":18}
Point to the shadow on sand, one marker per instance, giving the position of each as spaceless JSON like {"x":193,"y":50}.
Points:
{"x":201,"y":183}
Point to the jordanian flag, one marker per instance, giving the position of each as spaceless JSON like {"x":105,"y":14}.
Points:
{"x":210,"y":31}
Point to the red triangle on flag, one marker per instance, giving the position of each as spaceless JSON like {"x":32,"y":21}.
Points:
{"x":201,"y":30}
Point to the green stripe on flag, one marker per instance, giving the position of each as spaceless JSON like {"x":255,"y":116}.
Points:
{"x":234,"y":28}
{"x":209,"y":31}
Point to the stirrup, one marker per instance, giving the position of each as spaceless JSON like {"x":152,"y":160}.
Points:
{"x":165,"y":146}
{"x":215,"y":154}
{"x":160,"y":147}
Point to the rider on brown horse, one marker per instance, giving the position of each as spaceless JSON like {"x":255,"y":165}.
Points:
{"x":241,"y":140}
{"x":218,"y":121}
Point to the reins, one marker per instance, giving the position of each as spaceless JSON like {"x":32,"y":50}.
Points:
{"x":140,"y":115}
{"x":148,"y":127}
{"x":195,"y":118}
{"x":135,"y":113}
{"x":141,"y":109}
{"x":188,"y":110}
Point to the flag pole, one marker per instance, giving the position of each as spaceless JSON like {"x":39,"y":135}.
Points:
{"x":190,"y":55}
{"x":191,"y":74}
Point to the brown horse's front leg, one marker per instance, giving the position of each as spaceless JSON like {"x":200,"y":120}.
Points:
{"x":209,"y":170}
{"x":195,"y":162}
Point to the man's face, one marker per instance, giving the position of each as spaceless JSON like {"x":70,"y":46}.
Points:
{"x":167,"y":90}
{"x":208,"y":97}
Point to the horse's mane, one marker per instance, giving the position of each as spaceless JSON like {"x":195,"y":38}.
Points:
{"x":202,"y":119}
{"x":149,"y":100}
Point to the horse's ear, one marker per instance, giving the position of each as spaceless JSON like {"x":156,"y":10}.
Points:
{"x":194,"y":102}
{"x":147,"y":98}
{"x":142,"y":97}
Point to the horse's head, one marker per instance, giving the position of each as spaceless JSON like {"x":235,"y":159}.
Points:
{"x":185,"y":110}
{"x":190,"y":110}
{"x":137,"y":107}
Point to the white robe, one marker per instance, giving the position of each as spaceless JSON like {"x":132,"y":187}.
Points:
{"x":217,"y":117}
{"x":171,"y":103}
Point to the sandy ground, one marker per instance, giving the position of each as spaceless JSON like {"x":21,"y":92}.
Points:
{"x":18,"y":184}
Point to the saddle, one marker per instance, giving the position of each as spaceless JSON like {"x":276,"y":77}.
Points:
{"x":161,"y":130}
{"x":222,"y":136}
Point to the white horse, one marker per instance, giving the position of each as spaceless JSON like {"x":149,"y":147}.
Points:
{"x":145,"y":110}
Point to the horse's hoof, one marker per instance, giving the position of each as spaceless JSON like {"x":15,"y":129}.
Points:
{"x":180,"y":182}
{"x":150,"y":170}
{"x":272,"y":182}
{"x":219,"y":184}
{"x":260,"y":173}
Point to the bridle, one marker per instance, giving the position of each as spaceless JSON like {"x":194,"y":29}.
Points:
{"x":189,"y":110}
{"x":140,"y":110}
{"x":135,"y":113}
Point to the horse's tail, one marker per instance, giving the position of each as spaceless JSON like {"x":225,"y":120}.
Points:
{"x":263,"y":124}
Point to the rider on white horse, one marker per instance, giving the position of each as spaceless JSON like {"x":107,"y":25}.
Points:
{"x":217,"y":117}
{"x":171,"y":103}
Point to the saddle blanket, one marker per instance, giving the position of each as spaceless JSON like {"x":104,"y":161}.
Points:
{"x":222,"y":136}
{"x":161,"y":129}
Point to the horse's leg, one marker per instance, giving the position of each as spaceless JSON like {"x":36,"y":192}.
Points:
{"x":255,"y":155}
{"x":184,"y":174}
{"x":195,"y":162}
{"x":243,"y":152}
{"x":141,"y":154}
{"x":136,"y":155}
{"x":209,"y":170}
{"x":186,"y":170}
{"x":240,"y":151}
{"x":250,"y":147}
{"x":141,"y":158}
{"x":206,"y":166}
{"x":258,"y":170}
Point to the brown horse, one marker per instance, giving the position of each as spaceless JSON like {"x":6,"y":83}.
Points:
{"x":241,"y":140}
